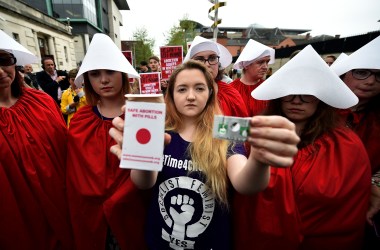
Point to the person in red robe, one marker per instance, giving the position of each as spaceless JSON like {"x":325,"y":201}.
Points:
{"x":33,"y":136}
{"x":321,"y":201}
{"x":361,"y":72}
{"x":253,"y":61}
{"x":216,"y":57}
{"x":107,"y":210}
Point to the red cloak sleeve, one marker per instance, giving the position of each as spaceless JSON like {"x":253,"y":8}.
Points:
{"x":33,"y":204}
{"x":254,"y":106}
{"x":322,"y":199}
{"x":230,"y":101}
{"x":367,"y":127}
{"x":101,"y":195}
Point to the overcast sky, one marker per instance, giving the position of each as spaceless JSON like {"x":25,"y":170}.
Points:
{"x":330,"y":17}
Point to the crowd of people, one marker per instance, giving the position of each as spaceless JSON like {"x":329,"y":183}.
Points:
{"x":306,"y":177}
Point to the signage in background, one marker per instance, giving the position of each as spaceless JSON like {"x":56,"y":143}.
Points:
{"x":171,"y":57}
{"x":150,"y":83}
{"x":128,"y":54}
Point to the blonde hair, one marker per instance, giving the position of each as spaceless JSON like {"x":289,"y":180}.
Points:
{"x":208,"y":154}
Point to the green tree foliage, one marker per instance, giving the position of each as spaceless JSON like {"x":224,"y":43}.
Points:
{"x":143,"y":47}
{"x":176,"y":36}
{"x":181,"y":34}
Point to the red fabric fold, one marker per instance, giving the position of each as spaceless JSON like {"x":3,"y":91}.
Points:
{"x":230,"y":101}
{"x":254,"y":106}
{"x":33,"y":201}
{"x":101,"y":194}
{"x":367,"y":127}
{"x":318,"y":203}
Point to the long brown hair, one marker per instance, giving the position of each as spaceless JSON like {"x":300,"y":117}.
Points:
{"x":323,"y":120}
{"x":92,"y":98}
{"x":220,"y":74}
{"x":17,"y":86}
{"x":207,"y":153}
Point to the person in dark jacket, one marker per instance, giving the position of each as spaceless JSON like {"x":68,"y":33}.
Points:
{"x":51,"y":80}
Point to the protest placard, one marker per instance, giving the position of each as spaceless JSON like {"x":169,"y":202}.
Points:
{"x":171,"y":57}
{"x":144,"y":128}
{"x":128,"y":54}
{"x":150,"y":83}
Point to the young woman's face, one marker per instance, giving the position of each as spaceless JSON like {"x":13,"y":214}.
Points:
{"x":363,"y":82}
{"x":299,"y":108}
{"x":190,"y":93}
{"x":154,"y":65}
{"x":106,"y":83}
{"x":204,"y":55}
{"x":7,"y":70}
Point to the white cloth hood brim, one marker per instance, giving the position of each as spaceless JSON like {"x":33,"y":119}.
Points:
{"x":307,"y":74}
{"x":367,"y":57}
{"x":200,"y":44}
{"x":104,"y":54}
{"x":342,"y":56}
{"x":23,"y":55}
{"x":252,"y":52}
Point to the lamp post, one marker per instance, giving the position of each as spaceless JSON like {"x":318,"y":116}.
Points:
{"x":215,"y":34}
{"x":215,"y":18}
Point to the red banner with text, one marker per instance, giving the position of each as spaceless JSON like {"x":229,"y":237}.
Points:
{"x":150,"y":83}
{"x":128,"y":54}
{"x":171,"y":57}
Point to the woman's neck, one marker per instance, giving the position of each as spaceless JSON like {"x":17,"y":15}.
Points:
{"x":248,"y":80}
{"x":6,"y":98}
{"x":188,"y":130}
{"x":299,"y":127}
{"x":110,"y":107}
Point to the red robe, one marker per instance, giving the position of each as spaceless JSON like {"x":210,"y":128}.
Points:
{"x":101,"y":195}
{"x":33,"y":205}
{"x":367,"y":127}
{"x":318,"y":203}
{"x":254,"y":107}
{"x":230,"y":101}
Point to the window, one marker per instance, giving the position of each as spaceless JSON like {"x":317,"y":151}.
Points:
{"x":42,"y":45}
{"x":66,"y":55}
{"x":16,"y":37}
